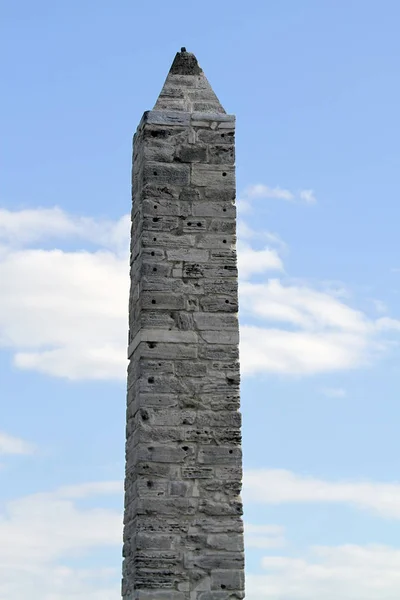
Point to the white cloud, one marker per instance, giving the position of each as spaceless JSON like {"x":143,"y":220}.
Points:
{"x":19,"y":228}
{"x":13,"y":445}
{"x":317,"y":331}
{"x":260,"y":190}
{"x":380,"y":306}
{"x":308,"y":196}
{"x":41,"y":531}
{"x":64,"y":313}
{"x":252,"y":262}
{"x":265,"y":192}
{"x":245,"y":232}
{"x":334,"y":392}
{"x":274,"y":486}
{"x":264,"y":536}
{"x":348,"y":572}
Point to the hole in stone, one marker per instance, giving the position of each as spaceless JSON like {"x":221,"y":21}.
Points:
{"x":154,"y":172}
{"x":155,"y":219}
{"x":151,"y":344}
{"x":224,"y":241}
{"x":226,"y":301}
{"x":224,"y":174}
{"x":185,"y":448}
{"x":230,"y":451}
{"x":153,"y":301}
{"x":198,"y":224}
{"x":149,"y":484}
{"x":152,"y":253}
{"x":150,"y":380}
{"x":155,"y":206}
{"x":145,"y":416}
{"x":189,"y":223}
{"x":224,"y":210}
{"x":222,"y":135}
{"x":159,"y":364}
{"x":223,"y":587}
{"x":155,"y":269}
{"x":154,"y":239}
{"x":225,"y":267}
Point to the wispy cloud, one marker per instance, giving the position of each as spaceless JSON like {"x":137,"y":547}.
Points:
{"x":260,"y":191}
{"x":334,"y":392}
{"x":297,"y":329}
{"x":264,"y":536}
{"x":308,"y":196}
{"x":252,"y":262}
{"x":347,"y":572}
{"x":274,"y":486}
{"x":41,"y":531}
{"x":13,"y":445}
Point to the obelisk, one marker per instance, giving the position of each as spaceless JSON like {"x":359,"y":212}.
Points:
{"x":183,"y":530}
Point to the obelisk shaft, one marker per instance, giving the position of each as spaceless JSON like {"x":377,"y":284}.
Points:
{"x":183,"y":531}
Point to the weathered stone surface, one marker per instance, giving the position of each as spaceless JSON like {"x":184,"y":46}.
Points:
{"x":183,"y":529}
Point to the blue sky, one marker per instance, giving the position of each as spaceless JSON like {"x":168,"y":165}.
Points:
{"x":315,"y":89}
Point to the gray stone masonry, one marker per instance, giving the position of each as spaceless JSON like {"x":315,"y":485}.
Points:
{"x":183,"y":530}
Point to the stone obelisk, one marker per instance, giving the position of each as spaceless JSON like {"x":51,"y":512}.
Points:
{"x":183,"y":530}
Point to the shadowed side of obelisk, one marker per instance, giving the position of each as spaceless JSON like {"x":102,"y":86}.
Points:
{"x":183,"y":531}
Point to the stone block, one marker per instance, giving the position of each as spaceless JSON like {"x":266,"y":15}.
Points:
{"x":226,"y":595}
{"x":212,"y":118}
{"x":210,"y":524}
{"x":158,"y":152}
{"x":167,"y":240}
{"x":155,"y":541}
{"x":188,"y":368}
{"x":170,"y":417}
{"x":216,"y":208}
{"x":188,"y":254}
{"x":160,"y":223}
{"x":218,"y":176}
{"x":217,"y":322}
{"x":158,"y":595}
{"x":160,"y":173}
{"x":217,"y":455}
{"x":174,"y":507}
{"x":222,"y":226}
{"x":216,"y":240}
{"x":219,"y":419}
{"x":221,"y":154}
{"x":160,"y":191}
{"x":191,"y":153}
{"x":218,"y":508}
{"x":220,"y":337}
{"x":217,"y":352}
{"x":159,"y":117}
{"x":229,"y":542}
{"x":221,"y":303}
{"x":216,"y":136}
{"x":164,"y":207}
{"x":197,"y":472}
{"x":214,"y":560}
{"x":159,"y":301}
{"x":167,"y":350}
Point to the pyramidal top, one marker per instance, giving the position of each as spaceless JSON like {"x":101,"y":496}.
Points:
{"x":186,"y":88}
